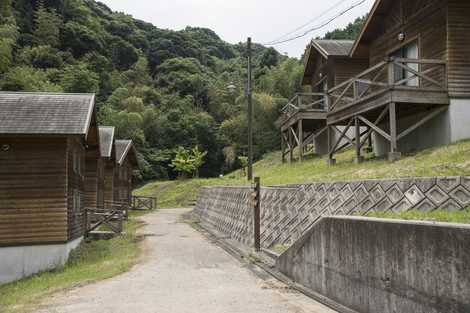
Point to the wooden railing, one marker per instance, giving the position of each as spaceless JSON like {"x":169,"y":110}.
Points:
{"x":144,"y":203}
{"x":305,"y":101}
{"x":394,"y":73}
{"x":112,"y":219}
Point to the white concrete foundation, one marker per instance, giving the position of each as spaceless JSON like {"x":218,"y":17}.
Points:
{"x":448,"y":127}
{"x":24,"y":261}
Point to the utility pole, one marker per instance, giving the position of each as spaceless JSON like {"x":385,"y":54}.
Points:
{"x":249,"y":95}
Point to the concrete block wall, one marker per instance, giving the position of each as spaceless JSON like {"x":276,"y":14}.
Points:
{"x":384,"y":266}
{"x":287,"y":212}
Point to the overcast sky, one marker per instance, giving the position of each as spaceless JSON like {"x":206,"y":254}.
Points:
{"x":235,"y":20}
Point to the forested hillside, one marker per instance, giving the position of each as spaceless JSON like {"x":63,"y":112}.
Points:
{"x":161,"y":88}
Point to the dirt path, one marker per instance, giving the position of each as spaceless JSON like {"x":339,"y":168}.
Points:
{"x":182,"y":272}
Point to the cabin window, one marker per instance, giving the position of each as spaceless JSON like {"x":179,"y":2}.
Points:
{"x":408,"y":51}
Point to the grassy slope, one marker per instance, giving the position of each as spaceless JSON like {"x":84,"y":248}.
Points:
{"x":92,"y":261}
{"x":452,"y":160}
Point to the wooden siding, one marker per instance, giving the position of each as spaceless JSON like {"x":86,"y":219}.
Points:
{"x":33,"y":203}
{"x":123,"y":182}
{"x":346,"y":68}
{"x":94,"y":180}
{"x":459,"y":48}
{"x":421,"y":20}
{"x":75,"y":187}
{"x":109,"y":174}
{"x":91,"y":179}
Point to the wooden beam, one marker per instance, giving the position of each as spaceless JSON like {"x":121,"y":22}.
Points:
{"x":351,"y":141}
{"x":295,"y":135}
{"x":425,"y":119}
{"x":393,"y":127}
{"x":291,"y":150}
{"x":301,"y":141}
{"x":343,"y":133}
{"x":358,"y":140}
{"x":377,"y":121}
{"x":283,"y":148}
{"x":375,"y":128}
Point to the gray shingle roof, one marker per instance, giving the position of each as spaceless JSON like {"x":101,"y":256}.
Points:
{"x":45,"y":113}
{"x":333,"y":47}
{"x":106,"y":140}
{"x":122,"y":149}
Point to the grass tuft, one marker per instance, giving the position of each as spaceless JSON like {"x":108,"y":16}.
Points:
{"x":462,"y":217}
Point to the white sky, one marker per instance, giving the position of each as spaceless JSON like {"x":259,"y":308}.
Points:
{"x":235,"y":20}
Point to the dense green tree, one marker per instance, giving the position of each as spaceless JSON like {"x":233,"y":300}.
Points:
{"x":47,"y":25}
{"x":25,"y":78}
{"x":351,"y":31}
{"x":42,"y":57}
{"x":269,"y":58}
{"x":79,"y":79}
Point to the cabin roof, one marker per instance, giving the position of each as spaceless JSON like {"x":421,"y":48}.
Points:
{"x":106,"y":140}
{"x":373,"y":23}
{"x":123,"y":147}
{"x":45,"y":113}
{"x":323,"y":48}
{"x":333,"y":47}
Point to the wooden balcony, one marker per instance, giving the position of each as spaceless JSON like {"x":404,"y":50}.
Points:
{"x":303,"y":120}
{"x":379,"y":97}
{"x":306,"y":106}
{"x":420,"y":84}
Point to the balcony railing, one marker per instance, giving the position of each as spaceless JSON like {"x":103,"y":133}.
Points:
{"x":305,"y":102}
{"x":392,"y":74}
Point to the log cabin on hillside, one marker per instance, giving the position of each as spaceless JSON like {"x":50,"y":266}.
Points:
{"x":416,"y":93}
{"x":43,"y":143}
{"x":126,"y":164}
{"x":108,"y":157}
{"x":327,"y":64}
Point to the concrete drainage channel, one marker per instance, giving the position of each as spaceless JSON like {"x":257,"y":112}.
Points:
{"x":264,"y":261}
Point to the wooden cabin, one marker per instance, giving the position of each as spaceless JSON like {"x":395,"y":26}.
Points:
{"x":416,"y":92}
{"x":43,"y":146}
{"x":126,"y":164}
{"x":108,"y":159}
{"x":327,"y":64}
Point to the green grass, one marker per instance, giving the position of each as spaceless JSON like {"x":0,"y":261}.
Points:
{"x":452,"y":160}
{"x":462,"y":217}
{"x":91,"y":261}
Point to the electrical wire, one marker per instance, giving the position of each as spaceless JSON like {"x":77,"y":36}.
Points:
{"x":329,"y":21}
{"x":310,"y":21}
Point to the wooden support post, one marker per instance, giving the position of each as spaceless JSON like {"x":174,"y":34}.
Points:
{"x":394,"y":155}
{"x":357,"y":127}
{"x":291,"y":145}
{"x":257,"y":213}
{"x":283,"y":147}
{"x":330,"y":161}
{"x":301,"y":140}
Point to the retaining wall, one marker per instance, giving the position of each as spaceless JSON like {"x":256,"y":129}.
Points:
{"x":384,"y":266}
{"x":287,"y":212}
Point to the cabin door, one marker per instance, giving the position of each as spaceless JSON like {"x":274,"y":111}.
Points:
{"x":409,"y":51}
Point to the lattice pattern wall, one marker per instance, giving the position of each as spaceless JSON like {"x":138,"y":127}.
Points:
{"x":288,"y":212}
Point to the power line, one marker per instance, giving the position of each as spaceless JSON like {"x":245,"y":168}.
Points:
{"x":310,"y":21}
{"x":273,"y":43}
